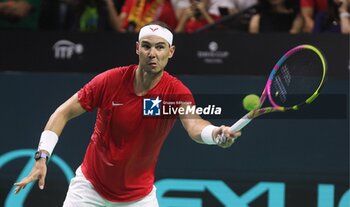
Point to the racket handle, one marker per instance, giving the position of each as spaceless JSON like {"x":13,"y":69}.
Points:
{"x":240,"y":124}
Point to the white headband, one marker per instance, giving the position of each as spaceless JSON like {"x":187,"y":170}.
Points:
{"x":156,"y":30}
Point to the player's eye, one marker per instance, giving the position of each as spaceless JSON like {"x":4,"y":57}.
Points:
{"x":146,"y":46}
{"x":159,"y":47}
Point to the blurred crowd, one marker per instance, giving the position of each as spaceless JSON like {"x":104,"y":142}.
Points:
{"x":183,"y":16}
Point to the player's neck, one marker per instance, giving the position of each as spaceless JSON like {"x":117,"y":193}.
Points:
{"x":145,"y":81}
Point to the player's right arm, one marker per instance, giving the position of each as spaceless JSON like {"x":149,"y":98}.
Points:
{"x":203,"y":132}
{"x":67,"y":111}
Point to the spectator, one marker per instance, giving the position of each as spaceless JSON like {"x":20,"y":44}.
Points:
{"x":19,"y":14}
{"x":327,"y":21}
{"x":241,"y":5}
{"x":195,"y":17}
{"x":180,"y":6}
{"x":308,"y":9}
{"x":137,"y":13}
{"x":92,"y":15}
{"x":59,"y":14}
{"x":228,"y":7}
{"x":49,"y":18}
{"x":276,"y":16}
{"x":335,"y":20}
{"x":222,"y":7}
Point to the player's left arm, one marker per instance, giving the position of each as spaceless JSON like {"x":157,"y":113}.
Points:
{"x":202,"y":131}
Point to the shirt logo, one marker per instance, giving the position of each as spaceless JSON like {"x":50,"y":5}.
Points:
{"x":151,"y":106}
{"x":153,"y":30}
{"x":114,"y":103}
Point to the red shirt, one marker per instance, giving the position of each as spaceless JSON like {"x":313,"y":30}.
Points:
{"x":165,"y":13}
{"x":318,"y":5}
{"x":124,"y":147}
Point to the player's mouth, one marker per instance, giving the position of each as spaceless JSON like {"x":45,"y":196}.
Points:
{"x":153,"y":64}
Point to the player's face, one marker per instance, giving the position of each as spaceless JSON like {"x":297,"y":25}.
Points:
{"x":154,"y":53}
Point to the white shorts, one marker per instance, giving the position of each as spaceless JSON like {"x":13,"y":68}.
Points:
{"x":81,"y":193}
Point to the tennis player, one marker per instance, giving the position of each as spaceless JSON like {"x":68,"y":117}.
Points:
{"x":119,"y":164}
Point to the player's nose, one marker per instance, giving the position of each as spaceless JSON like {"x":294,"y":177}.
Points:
{"x":152,"y":52}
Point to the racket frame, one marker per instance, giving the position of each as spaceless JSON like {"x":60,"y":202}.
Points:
{"x":267,"y":90}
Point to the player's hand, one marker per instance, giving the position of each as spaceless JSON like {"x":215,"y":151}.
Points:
{"x":38,"y":173}
{"x":224,"y":137}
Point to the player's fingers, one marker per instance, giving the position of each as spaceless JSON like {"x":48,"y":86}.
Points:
{"x":24,"y":181}
{"x":19,"y":188}
{"x":30,"y":178}
{"x":222,"y":130}
{"x":41,"y":182}
{"x":227,"y":143}
{"x":220,"y":136}
{"x":220,"y":139}
{"x":225,"y":137}
{"x":21,"y":185}
{"x":234,"y":134}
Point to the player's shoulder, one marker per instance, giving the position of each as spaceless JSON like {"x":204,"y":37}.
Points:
{"x":122,"y":70}
{"x":115,"y":76}
{"x":174,"y":82}
{"x":118,"y":73}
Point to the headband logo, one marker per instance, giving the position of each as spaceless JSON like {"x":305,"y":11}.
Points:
{"x":153,"y":30}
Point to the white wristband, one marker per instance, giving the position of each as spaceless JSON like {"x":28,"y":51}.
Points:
{"x":344,"y":15}
{"x":207,"y":134}
{"x":48,"y":141}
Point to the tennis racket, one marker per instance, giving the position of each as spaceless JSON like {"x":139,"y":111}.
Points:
{"x":294,"y":82}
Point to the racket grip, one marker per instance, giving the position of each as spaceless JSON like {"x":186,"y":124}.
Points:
{"x":240,"y":124}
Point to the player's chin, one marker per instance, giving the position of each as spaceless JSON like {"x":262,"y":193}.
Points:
{"x":154,"y":69}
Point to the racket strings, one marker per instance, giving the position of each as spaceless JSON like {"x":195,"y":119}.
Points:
{"x":281,"y":83}
{"x":297,"y":78}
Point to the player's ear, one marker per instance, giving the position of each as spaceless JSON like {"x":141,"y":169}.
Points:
{"x":171,"y":51}
{"x":137,"y":48}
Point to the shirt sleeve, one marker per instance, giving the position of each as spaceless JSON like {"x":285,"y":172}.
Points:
{"x":184,"y":95}
{"x":90,"y":96}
